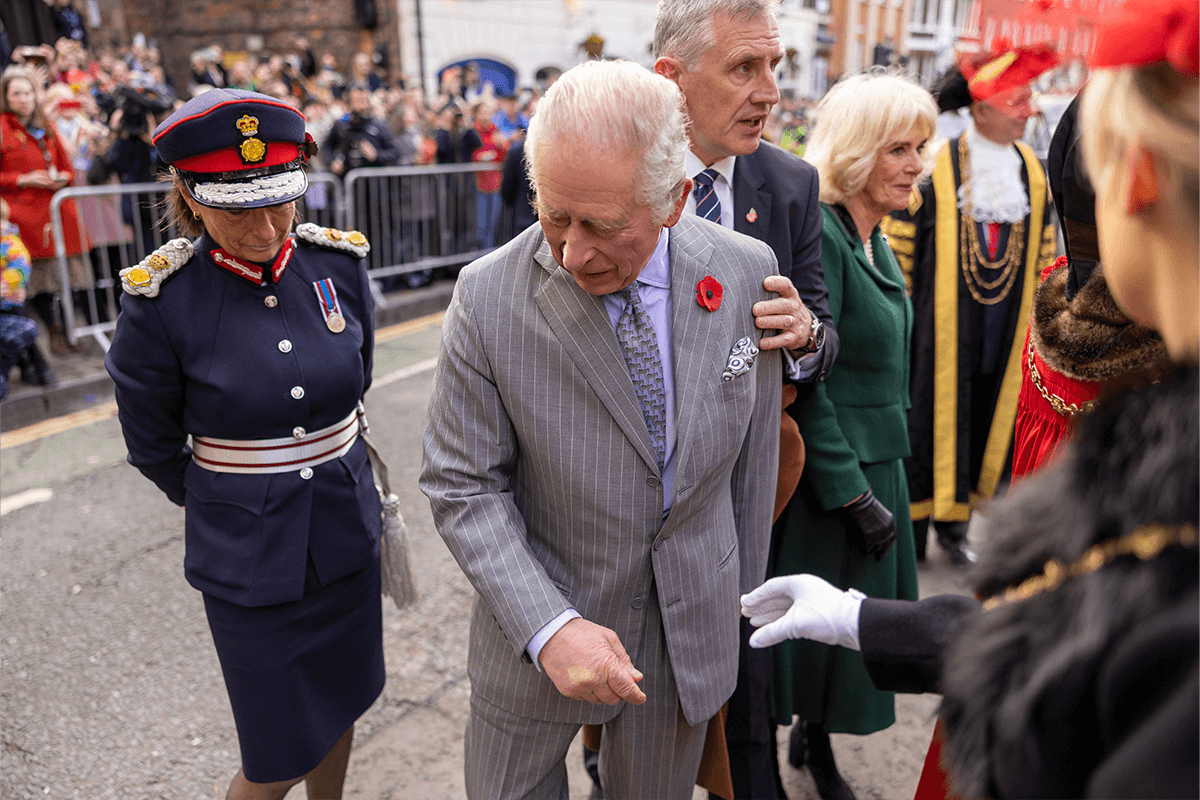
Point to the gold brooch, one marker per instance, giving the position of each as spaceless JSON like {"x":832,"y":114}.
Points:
{"x":356,"y":238}
{"x":157,"y":262}
{"x":138,"y":276}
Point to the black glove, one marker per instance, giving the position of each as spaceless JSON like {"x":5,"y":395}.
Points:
{"x":874,"y":523}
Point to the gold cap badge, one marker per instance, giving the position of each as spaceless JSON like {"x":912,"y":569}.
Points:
{"x":248,"y":125}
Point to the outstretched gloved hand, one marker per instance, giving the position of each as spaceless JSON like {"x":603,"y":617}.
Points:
{"x":802,"y":607}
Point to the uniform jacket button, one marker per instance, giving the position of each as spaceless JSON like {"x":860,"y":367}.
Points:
{"x":306,"y":473}
{"x":270,"y":301}
{"x":297,"y":392}
{"x":298,"y":432}
{"x":285,"y":346}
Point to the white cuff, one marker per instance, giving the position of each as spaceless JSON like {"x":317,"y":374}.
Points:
{"x":847,"y":619}
{"x":534,"y":648}
{"x":802,"y":368}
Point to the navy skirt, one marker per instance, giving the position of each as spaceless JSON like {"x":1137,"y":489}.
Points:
{"x":299,"y":674}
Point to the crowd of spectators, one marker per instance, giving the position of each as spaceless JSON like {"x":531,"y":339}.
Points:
{"x":104,"y":103}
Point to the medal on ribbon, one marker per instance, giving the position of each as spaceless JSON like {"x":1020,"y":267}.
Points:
{"x":327,"y":296}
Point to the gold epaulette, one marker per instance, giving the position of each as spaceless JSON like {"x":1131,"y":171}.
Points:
{"x":146,"y":277}
{"x":352,"y":242}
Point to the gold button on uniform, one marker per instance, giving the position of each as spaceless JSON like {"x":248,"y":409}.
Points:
{"x":270,"y":301}
{"x":298,"y":432}
{"x":297,"y":392}
{"x":285,"y":346}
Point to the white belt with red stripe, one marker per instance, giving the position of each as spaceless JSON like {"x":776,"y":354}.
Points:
{"x":286,"y":454}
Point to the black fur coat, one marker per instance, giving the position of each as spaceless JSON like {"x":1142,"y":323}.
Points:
{"x":1090,"y":690}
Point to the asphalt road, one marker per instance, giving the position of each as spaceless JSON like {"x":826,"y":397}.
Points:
{"x":109,"y":686}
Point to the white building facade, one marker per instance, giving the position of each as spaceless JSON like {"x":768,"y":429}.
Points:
{"x":532,"y":36}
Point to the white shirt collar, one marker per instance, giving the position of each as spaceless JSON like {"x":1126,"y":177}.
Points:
{"x":724,"y":167}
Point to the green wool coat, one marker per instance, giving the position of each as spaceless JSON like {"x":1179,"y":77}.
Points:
{"x":855,"y":435}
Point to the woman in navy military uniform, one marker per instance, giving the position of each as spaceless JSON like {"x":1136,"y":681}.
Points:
{"x":257,"y":344}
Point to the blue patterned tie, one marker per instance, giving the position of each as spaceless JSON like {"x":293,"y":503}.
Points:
{"x":635,"y":333}
{"x":708,"y":205}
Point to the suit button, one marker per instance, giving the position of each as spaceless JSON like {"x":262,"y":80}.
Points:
{"x":298,"y":432}
{"x":657,"y":544}
{"x":285,"y":346}
{"x":638,"y":602}
{"x":297,"y":392}
{"x":270,"y":301}
{"x":653,"y":482}
{"x":306,"y":473}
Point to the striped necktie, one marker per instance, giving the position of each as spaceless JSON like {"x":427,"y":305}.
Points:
{"x":708,"y":205}
{"x":635,"y":333}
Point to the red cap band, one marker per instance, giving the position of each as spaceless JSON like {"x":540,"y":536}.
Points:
{"x":230,"y":159}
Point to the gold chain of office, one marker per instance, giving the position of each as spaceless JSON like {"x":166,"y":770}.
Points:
{"x":1145,"y":543}
{"x":1060,"y":406}
{"x":971,"y":257}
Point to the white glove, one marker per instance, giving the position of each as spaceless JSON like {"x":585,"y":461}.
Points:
{"x":803,"y":607}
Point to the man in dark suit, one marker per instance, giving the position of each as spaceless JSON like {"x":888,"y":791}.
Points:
{"x":723,"y":56}
{"x":724,"y":65}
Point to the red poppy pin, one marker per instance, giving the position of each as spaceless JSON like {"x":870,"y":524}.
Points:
{"x":708,"y":293}
{"x":752,"y":216}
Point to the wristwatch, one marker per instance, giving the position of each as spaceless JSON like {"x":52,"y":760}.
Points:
{"x":816,"y":337}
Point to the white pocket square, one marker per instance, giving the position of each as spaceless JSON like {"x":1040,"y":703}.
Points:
{"x":741,"y":359}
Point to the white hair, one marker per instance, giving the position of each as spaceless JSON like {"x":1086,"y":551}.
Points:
{"x":857,"y":117}
{"x":602,"y":106}
{"x":683,"y":28}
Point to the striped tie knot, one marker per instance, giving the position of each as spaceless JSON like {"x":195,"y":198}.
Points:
{"x":708,"y":205}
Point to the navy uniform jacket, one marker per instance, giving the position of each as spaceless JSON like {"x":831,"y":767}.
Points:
{"x":213,"y":355}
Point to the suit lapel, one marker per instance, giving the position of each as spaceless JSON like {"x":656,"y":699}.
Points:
{"x":751,"y":200}
{"x":581,"y":325}
{"x":886,"y":275}
{"x":695,"y":333}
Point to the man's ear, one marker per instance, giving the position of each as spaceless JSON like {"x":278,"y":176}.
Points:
{"x":680,"y":204}
{"x":669,"y":68}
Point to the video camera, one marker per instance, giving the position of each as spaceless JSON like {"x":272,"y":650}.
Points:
{"x":137,"y":101}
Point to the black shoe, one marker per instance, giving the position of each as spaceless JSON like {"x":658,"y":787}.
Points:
{"x":960,"y":553}
{"x":824,"y":771}
{"x":952,"y":537}
{"x":797,"y":745}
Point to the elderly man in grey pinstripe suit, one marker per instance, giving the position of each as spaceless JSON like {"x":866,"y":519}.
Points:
{"x":608,"y":522}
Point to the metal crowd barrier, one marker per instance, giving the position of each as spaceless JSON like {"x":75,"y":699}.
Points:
{"x":125,"y":223}
{"x":419,"y":219}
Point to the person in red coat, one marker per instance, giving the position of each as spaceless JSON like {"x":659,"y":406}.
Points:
{"x":33,"y":166}
{"x":1079,"y":341}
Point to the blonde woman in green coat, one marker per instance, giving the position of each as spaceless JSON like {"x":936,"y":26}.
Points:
{"x":849,"y":521}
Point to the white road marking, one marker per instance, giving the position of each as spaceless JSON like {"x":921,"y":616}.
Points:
{"x":28,"y":497}
{"x":405,"y":372}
